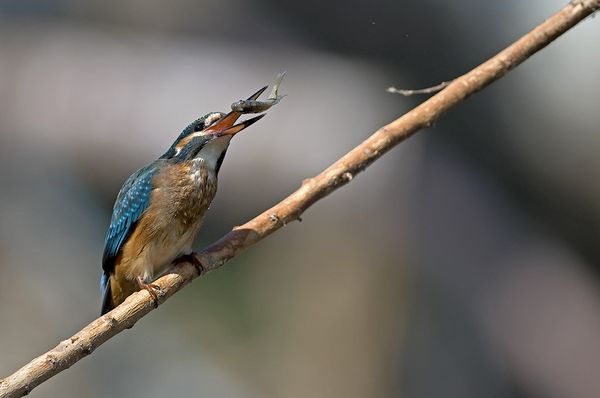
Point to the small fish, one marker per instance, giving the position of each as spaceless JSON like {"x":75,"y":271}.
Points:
{"x":255,"y":106}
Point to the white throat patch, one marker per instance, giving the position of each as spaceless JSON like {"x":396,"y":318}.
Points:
{"x":212,"y":151}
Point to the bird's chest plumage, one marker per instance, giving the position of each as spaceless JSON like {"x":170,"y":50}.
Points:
{"x":188,"y":190}
{"x":184,"y":194}
{"x":181,"y":196}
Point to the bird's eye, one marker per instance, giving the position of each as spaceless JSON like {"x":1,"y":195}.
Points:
{"x":199,"y":127}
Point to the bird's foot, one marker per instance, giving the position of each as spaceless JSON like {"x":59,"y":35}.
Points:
{"x":153,"y":289}
{"x":190,"y":258}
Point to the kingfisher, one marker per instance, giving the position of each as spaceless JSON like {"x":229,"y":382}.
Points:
{"x":160,"y":208}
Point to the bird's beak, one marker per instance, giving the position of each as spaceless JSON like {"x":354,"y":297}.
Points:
{"x":257,"y":94}
{"x":232,"y":130}
{"x":225,"y":125}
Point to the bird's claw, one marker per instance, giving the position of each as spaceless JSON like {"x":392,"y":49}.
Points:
{"x":153,"y":289}
{"x":191,"y":258}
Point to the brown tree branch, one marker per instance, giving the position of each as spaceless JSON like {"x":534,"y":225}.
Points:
{"x":340,"y":173}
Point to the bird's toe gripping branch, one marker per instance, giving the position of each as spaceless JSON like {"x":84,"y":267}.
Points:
{"x":153,"y":289}
{"x":191,"y":258}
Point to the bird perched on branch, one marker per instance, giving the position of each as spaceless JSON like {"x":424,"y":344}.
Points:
{"x":161,"y":207}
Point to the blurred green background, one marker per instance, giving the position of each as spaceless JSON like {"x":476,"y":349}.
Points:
{"x":462,"y":264}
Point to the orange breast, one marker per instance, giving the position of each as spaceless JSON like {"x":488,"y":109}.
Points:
{"x":182,"y":195}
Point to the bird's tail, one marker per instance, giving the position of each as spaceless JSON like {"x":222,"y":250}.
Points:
{"x":106,"y":293}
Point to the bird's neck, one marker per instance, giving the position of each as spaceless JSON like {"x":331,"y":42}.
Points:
{"x":211,"y":155}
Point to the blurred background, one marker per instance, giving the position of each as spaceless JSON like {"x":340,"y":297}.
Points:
{"x":464,"y":263}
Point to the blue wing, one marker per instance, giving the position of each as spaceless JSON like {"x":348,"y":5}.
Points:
{"x":131,"y":202}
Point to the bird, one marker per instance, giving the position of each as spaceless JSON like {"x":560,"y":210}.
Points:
{"x":161,"y":207}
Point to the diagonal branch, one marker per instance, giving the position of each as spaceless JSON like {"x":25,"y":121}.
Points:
{"x":339,"y":173}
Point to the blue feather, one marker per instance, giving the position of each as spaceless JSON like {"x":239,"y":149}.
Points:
{"x":104,"y":282}
{"x":105,"y":293}
{"x":131,"y":202}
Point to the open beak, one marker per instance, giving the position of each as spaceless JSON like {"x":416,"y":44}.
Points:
{"x":233,"y":130}
{"x":257,"y":94}
{"x":225,"y":125}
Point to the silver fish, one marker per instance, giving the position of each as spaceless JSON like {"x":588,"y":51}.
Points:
{"x":256,"y":106}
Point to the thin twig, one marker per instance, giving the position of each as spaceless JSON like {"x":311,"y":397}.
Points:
{"x":428,"y":90}
{"x":339,"y":173}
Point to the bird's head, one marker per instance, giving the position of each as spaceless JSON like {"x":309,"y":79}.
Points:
{"x":208,"y":137}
